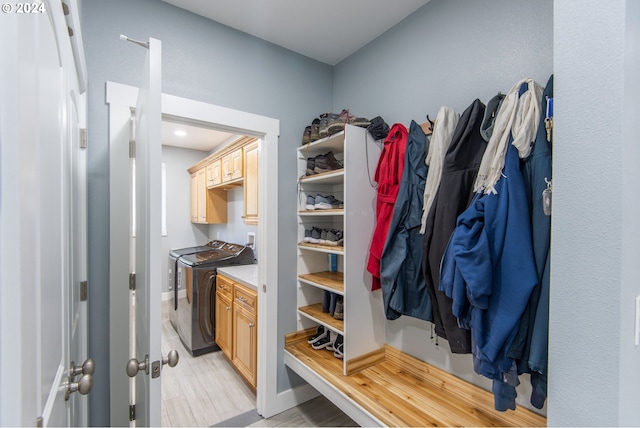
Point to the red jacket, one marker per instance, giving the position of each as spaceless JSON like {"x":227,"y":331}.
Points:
{"x":388,"y":175}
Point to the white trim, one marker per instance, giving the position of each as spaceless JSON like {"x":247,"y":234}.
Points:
{"x":167,"y":295}
{"x":267,"y":130}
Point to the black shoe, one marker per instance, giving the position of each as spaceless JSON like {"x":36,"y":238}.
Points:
{"x":326,"y":163}
{"x":319,"y":333}
{"x":338,"y":347}
{"x":323,"y":341}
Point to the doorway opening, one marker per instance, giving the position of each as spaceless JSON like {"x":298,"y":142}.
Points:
{"x":120,"y":99}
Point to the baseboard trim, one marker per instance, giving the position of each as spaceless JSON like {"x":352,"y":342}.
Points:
{"x":292,"y":397}
{"x":167,"y":295}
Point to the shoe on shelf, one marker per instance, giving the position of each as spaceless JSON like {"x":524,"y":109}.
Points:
{"x":328,"y":202}
{"x":307,"y":235}
{"x":311,"y":203}
{"x":306,"y":135}
{"x":323,"y":341}
{"x":332,"y":238}
{"x":315,"y":235}
{"x":315,"y":130}
{"x":325,"y":119}
{"x":334,"y":339}
{"x":336,"y":125}
{"x":338,"y":347}
{"x":339,"y":312}
{"x":326,"y":163}
{"x":311,"y":166}
{"x":319,"y":332}
{"x":323,"y":237}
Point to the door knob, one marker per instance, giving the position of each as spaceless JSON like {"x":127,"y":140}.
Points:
{"x":83,"y":386}
{"x":133,"y":366}
{"x":172,"y":358}
{"x":88,"y":367}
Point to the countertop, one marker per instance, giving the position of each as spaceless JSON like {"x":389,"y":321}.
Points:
{"x":244,"y":274}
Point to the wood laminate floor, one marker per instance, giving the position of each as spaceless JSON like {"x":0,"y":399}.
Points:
{"x":207,"y":390}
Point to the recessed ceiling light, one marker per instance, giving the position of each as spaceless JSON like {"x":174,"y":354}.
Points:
{"x":181,"y":133}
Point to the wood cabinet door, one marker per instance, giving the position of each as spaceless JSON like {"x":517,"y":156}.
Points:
{"x":213,"y":173}
{"x":251,"y":183}
{"x":226,"y":168}
{"x":216,"y":167}
{"x":245,"y":340}
{"x":224,"y":323}
{"x":236,"y":164}
{"x":202,"y":196}
{"x":194,"y":198}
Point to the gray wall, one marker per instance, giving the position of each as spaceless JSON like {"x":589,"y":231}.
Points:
{"x":181,"y":232}
{"x":235,"y":230}
{"x":594,"y":272}
{"x":446,"y":53}
{"x":204,"y":61}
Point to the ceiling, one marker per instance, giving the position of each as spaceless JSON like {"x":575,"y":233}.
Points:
{"x":327,"y":31}
{"x":193,"y":137}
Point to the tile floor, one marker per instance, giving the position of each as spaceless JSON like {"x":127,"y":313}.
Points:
{"x":206,"y":390}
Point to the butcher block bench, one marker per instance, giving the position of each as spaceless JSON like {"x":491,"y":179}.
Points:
{"x":400,"y":390}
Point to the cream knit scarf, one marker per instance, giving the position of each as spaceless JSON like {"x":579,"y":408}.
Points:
{"x":446,"y":122}
{"x":518,"y":117}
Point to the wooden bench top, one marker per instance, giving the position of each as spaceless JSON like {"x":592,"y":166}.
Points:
{"x":405,"y":391}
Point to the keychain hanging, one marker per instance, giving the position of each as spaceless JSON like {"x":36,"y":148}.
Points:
{"x":546,"y":197}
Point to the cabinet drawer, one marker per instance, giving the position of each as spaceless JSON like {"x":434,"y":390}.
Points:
{"x":224,"y":286}
{"x":245,"y":298}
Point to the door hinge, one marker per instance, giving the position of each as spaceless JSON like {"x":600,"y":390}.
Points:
{"x":132,"y":135}
{"x":132,"y":412}
{"x":83,"y":138}
{"x":132,"y":281}
{"x":84,"y":292}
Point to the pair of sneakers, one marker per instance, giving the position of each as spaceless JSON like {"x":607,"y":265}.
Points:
{"x":327,"y":339}
{"x":330,"y":237}
{"x":323,"y":163}
{"x":320,"y":202}
{"x":332,"y":123}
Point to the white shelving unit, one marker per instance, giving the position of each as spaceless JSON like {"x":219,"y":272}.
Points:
{"x":363,"y":325}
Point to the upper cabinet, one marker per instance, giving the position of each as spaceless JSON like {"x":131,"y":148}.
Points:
{"x":250,"y":215}
{"x":214,"y":173}
{"x":228,"y":168}
{"x":208,"y":206}
{"x":232,"y":167}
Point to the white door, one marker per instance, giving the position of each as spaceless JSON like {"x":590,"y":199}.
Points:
{"x":38,"y":201}
{"x":147,"y":241}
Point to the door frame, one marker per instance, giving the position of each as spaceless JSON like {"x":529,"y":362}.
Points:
{"x":120,"y":99}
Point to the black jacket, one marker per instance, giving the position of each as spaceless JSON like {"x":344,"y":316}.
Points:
{"x":454,"y":195}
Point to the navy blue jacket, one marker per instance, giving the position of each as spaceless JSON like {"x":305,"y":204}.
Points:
{"x":402,"y":280}
{"x":489,"y":271}
{"x":531,"y":343}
